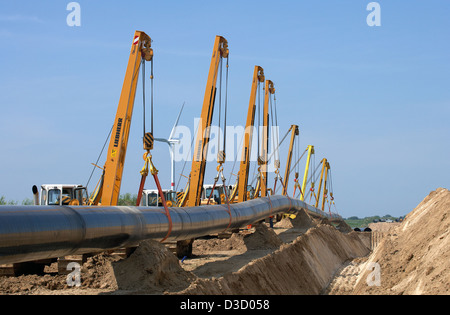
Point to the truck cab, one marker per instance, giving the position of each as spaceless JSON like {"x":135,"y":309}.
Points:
{"x":218,"y":195}
{"x":59,"y":195}
{"x":151,"y":198}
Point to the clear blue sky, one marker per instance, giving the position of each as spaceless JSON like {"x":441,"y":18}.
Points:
{"x":375,"y":101}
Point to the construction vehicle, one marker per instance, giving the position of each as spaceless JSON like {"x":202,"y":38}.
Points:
{"x":214,"y":194}
{"x":151,"y":198}
{"x":59,"y":195}
{"x":203,"y":135}
{"x":242,"y":178}
{"x":193,"y":193}
{"x":325,"y":169}
{"x":294,"y":133}
{"x":261,"y":189}
{"x":108,"y":190}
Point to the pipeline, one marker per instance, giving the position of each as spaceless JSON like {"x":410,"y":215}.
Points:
{"x":30,"y":233}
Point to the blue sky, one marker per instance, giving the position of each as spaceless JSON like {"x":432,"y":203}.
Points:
{"x":375,"y":101}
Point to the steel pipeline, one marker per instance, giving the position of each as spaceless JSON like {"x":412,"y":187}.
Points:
{"x":29,"y":233}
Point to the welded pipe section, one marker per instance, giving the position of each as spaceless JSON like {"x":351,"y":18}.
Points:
{"x":29,"y":233}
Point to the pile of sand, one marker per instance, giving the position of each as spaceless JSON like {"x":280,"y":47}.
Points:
{"x":151,"y":269}
{"x":413,"y":257}
{"x":207,"y":246}
{"x":96,"y":274}
{"x":262,"y":238}
{"x":302,"y":222}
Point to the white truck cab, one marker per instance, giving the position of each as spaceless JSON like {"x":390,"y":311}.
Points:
{"x":218,"y":195}
{"x":151,"y":198}
{"x":59,"y":195}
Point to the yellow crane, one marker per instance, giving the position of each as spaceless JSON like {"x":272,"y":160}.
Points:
{"x":108,"y":190}
{"x":305,"y":176}
{"x":294,"y":132}
{"x":192,"y":194}
{"x":242,"y":180}
{"x":261,"y":186}
{"x":196,"y":178}
{"x":325,"y":168}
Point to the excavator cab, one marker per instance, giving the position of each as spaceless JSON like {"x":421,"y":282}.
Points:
{"x":63,"y":195}
{"x":217,"y":196}
{"x":151,"y":198}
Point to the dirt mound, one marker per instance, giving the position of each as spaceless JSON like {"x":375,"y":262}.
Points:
{"x":205,"y":246}
{"x":302,"y":222}
{"x":151,"y":269}
{"x":96,"y":274}
{"x":413,"y":258}
{"x":303,"y":267}
{"x":383,"y":226}
{"x":262,"y":238}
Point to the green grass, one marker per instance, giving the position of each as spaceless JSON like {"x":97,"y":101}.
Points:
{"x":354,"y":222}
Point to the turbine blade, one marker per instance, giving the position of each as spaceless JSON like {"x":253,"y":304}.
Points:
{"x":176,"y":123}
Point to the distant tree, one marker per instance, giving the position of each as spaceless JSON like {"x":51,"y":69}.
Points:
{"x":27,"y":202}
{"x":127,"y":200}
{"x":3,"y":202}
{"x":353,"y":218}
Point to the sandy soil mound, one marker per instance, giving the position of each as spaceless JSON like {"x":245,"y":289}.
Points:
{"x":302,"y":222}
{"x":205,"y":246}
{"x":413,"y":258}
{"x":262,"y":238}
{"x":96,"y":275}
{"x":151,"y":269}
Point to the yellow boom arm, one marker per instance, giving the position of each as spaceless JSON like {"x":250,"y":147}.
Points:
{"x":269,"y":89}
{"x":258,"y":76}
{"x":109,"y":192}
{"x":203,"y":135}
{"x":287,"y":172}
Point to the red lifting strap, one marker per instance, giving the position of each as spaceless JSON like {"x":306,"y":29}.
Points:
{"x":155,"y":176}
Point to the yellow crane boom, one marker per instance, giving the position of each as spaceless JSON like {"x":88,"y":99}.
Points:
{"x":305,"y":176}
{"x":325,"y":166}
{"x":258,"y":77}
{"x":287,"y":172}
{"x":263,"y":159}
{"x":109,"y":190}
{"x":203,"y":135}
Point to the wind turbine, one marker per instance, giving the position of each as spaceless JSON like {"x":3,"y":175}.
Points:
{"x":172,"y":142}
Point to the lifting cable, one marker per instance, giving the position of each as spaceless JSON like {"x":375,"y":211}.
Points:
{"x":275,"y":138}
{"x":256,"y":174}
{"x":270,"y":157}
{"x":221,"y":153}
{"x":148,"y":165}
{"x":312,"y":179}
{"x":99,"y":156}
{"x":186,"y":159}
{"x":148,"y":140}
{"x":330,"y":185}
